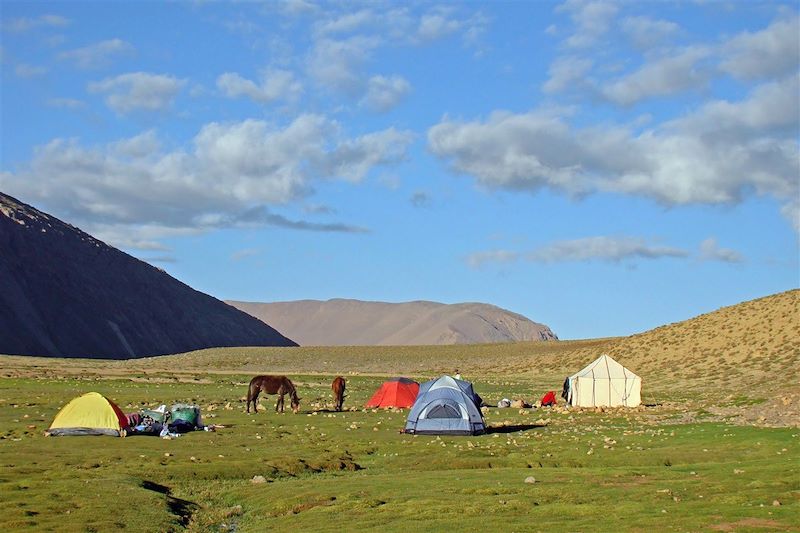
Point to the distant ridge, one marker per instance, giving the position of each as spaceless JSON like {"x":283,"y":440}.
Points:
{"x":64,"y":293}
{"x":341,"y":322}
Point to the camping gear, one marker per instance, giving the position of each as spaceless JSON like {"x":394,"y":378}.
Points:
{"x":159,"y":414}
{"x":180,"y":418}
{"x":90,"y":414}
{"x":185,"y":412}
{"x":184,"y":418}
{"x":446,"y":406}
{"x":396,"y":392}
{"x":548,"y":399}
{"x":604,"y":383}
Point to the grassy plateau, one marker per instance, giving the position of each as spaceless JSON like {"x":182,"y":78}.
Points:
{"x":715,"y":447}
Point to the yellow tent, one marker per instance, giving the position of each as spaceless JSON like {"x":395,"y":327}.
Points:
{"x":90,"y":414}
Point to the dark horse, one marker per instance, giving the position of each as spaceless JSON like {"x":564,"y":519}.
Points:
{"x":279,"y":385}
{"x":338,"y":387}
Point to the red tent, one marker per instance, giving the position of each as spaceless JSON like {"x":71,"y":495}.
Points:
{"x":548,"y":399}
{"x":397,"y":392}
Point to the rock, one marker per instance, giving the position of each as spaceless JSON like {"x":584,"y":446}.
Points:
{"x":531,"y":479}
{"x":776,"y":503}
{"x":258,"y":479}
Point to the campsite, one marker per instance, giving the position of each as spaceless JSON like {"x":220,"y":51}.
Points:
{"x":690,"y":457}
{"x":385,"y":266}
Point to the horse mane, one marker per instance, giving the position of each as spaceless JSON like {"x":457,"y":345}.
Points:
{"x":291,"y":388}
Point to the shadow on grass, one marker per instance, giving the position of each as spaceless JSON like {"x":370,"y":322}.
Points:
{"x":182,"y":509}
{"x":513,"y":428}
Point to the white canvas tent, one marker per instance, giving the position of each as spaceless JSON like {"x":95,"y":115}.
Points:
{"x":606,"y":383}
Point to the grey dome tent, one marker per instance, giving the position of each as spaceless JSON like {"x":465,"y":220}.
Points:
{"x":446,"y":406}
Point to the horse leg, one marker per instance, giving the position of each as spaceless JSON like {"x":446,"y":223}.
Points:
{"x":279,"y":403}
{"x":253,"y":397}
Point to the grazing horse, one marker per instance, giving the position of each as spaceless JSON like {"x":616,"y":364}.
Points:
{"x":338,"y":387}
{"x":279,"y":385}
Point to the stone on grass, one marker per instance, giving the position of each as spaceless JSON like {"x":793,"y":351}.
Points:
{"x":258,"y":479}
{"x":530,"y":479}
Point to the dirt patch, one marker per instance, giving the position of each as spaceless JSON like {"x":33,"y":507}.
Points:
{"x":761,"y":523}
{"x":782,"y":410}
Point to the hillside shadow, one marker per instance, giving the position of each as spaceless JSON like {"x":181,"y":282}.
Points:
{"x":513,"y":428}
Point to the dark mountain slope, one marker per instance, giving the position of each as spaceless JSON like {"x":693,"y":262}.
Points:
{"x":64,"y":293}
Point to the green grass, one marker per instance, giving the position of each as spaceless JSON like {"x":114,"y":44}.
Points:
{"x":324,"y":471}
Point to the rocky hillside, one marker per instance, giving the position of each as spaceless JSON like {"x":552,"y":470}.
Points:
{"x":64,"y":293}
{"x":755,"y":342}
{"x":353,"y":322}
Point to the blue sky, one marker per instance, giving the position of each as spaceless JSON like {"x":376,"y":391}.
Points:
{"x":601,"y":167}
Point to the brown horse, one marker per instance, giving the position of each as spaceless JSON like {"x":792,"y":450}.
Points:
{"x":279,"y":385}
{"x":338,"y":387}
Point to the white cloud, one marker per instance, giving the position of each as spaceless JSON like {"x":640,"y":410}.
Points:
{"x":612,"y":249}
{"x":352,"y":159}
{"x":717,"y":154}
{"x":667,"y":75}
{"x":319,"y":209}
{"x":275,"y":84}
{"x":592,"y":20}
{"x":436,"y":25}
{"x":137,"y":147}
{"x":29,"y":71}
{"x":138,"y":90}
{"x":66,"y":103}
{"x":601,"y":248}
{"x":479,"y":259}
{"x":337,"y":64}
{"x":347,"y":23}
{"x":385,"y":93}
{"x":98,"y":54}
{"x":773,"y":51}
{"x":23,"y":24}
{"x":132,"y":236}
{"x":645,"y":32}
{"x":344,"y":43}
{"x":132,"y":192}
{"x":567,"y":72}
{"x":299,"y":7}
{"x":511,"y":151}
{"x":791,"y":211}
{"x":711,"y":251}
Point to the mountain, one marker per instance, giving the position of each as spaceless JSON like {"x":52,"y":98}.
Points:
{"x":342,"y":322}
{"x":64,"y":293}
